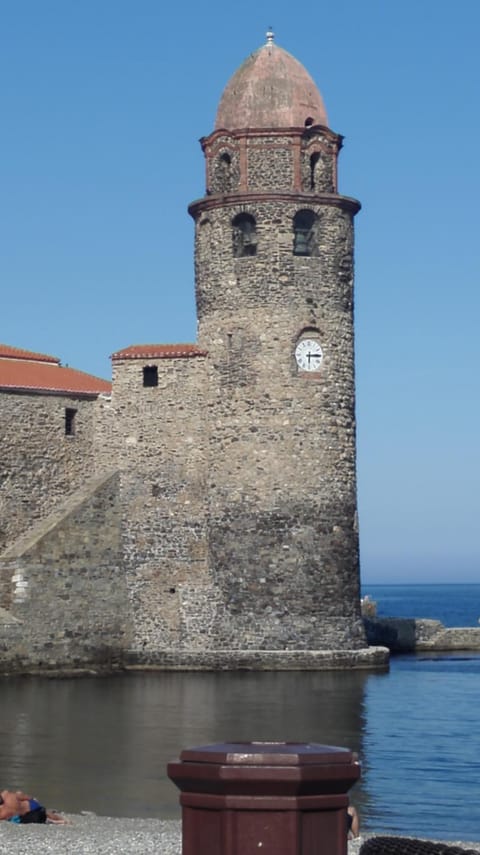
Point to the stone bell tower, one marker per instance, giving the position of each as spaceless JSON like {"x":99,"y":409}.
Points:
{"x":274,"y":289}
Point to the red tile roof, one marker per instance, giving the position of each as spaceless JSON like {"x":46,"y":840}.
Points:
{"x":23,"y":370}
{"x":8,"y":352}
{"x":159,"y":351}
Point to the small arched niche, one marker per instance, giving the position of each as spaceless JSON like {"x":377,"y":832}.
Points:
{"x":244,"y":235}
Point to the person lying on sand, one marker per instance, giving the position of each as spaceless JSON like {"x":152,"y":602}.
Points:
{"x":18,"y":807}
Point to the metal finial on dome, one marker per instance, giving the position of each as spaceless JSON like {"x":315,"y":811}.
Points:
{"x":270,"y":36}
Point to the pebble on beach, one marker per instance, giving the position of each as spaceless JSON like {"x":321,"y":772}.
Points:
{"x":88,"y":834}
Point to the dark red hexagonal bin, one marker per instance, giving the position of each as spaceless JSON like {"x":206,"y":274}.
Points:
{"x":267,"y":798}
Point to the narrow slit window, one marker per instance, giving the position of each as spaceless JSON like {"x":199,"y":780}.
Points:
{"x":314,"y":158}
{"x":70,"y":421}
{"x":150,"y":375}
{"x":225,"y":172}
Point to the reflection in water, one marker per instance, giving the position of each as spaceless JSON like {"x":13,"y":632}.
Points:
{"x":102,"y":744}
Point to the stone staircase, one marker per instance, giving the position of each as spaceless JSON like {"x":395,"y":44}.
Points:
{"x":62,"y":589}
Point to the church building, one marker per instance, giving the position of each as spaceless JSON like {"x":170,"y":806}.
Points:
{"x":200,"y":511}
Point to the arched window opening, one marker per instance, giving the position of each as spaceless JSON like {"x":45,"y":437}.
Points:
{"x":314,"y":158}
{"x":309,"y":121}
{"x":244,"y":235}
{"x":304,"y":233}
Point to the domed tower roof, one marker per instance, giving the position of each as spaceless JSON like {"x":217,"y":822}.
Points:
{"x":271,"y":89}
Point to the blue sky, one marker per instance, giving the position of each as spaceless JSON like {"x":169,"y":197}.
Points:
{"x":102,"y":105}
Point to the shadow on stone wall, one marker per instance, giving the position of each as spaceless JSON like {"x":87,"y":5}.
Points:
{"x":64,"y":598}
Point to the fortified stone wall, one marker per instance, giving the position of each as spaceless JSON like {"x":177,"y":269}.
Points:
{"x":104,"y":449}
{"x":64,"y":582}
{"x":282,"y":490}
{"x":228,"y":537}
{"x":161,"y":449}
{"x":39,"y":463}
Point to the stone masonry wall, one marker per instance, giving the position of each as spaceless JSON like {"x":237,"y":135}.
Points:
{"x":223,"y":166}
{"x":320,"y":175}
{"x":280,"y":154}
{"x":63,"y":585}
{"x":160,"y":442}
{"x":228,"y":534}
{"x":282,"y":487}
{"x":39,"y":464}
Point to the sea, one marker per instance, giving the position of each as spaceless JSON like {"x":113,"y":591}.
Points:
{"x":421,"y":745}
{"x":102,"y":744}
{"x":453,"y":605}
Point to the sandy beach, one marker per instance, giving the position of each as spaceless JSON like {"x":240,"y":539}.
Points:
{"x":88,"y":834}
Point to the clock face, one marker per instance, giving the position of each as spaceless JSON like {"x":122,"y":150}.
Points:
{"x":308,"y":354}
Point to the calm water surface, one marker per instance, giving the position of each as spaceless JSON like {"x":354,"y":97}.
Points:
{"x":102,"y":744}
{"x":453,"y":605}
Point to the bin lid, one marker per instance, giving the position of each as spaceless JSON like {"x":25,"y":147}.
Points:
{"x":268,"y":754}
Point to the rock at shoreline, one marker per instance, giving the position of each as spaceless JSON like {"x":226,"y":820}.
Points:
{"x":410,"y":635}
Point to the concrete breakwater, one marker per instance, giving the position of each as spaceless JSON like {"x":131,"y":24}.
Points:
{"x":412,"y":635}
{"x":93,"y":835}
